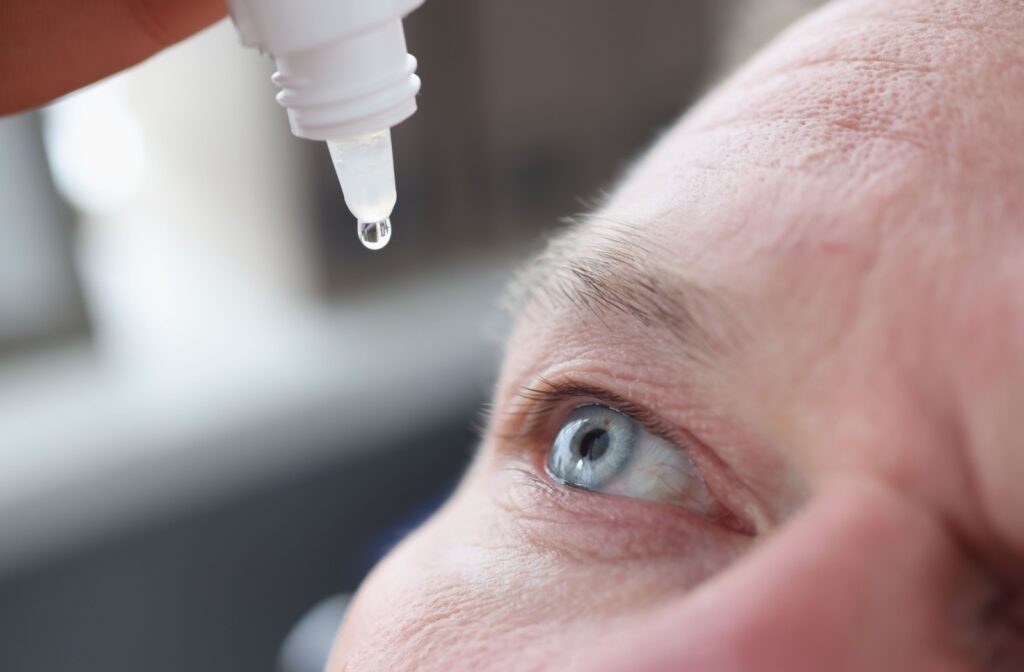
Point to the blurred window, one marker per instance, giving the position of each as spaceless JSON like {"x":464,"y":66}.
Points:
{"x":39,"y":296}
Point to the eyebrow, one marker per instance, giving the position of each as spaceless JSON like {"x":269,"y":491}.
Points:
{"x":611,"y":268}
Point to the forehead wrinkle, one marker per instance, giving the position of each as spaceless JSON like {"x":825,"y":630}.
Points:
{"x":608,"y":268}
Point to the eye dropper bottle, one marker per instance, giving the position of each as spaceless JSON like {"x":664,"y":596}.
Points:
{"x":346,"y":79}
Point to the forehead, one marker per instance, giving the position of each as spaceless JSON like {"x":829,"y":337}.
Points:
{"x":829,"y":168}
{"x":849,"y":130}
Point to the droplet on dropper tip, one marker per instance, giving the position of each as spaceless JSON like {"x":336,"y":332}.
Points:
{"x":374,"y":235}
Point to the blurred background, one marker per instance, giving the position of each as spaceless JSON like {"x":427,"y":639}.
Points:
{"x":216,"y":408}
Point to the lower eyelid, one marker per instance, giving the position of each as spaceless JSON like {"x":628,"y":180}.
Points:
{"x":584,"y":522}
{"x":527,"y":491}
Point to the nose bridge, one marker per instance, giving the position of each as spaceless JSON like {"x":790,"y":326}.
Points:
{"x":988,"y":341}
{"x":860,"y":580}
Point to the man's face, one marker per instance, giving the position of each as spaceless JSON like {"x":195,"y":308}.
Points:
{"x":764,"y":410}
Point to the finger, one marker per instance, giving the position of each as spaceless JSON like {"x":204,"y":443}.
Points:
{"x":48,"y":48}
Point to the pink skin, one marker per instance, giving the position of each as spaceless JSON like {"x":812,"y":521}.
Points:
{"x":857,"y":194}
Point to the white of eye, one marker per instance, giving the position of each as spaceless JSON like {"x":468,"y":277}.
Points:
{"x":601,"y":449}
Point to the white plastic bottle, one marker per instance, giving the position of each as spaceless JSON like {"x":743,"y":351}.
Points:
{"x":345,"y":78}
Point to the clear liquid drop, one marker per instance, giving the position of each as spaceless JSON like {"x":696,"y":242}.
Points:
{"x":375,"y":235}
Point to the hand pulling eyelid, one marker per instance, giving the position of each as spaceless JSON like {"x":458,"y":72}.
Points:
{"x":345,"y":78}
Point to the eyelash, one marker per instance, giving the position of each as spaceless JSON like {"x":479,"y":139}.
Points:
{"x":535,"y":414}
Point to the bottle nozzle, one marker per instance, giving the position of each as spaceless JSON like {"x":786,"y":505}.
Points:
{"x":366,"y":171}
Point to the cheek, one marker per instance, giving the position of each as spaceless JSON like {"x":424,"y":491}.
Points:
{"x":480,"y":588}
{"x":437,"y":603}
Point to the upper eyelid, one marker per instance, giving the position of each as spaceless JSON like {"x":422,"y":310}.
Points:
{"x":537,"y":404}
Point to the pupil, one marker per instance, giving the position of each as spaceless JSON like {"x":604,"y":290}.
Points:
{"x":594,"y":444}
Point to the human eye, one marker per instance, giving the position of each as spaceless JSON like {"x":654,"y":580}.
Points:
{"x":602,"y":449}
